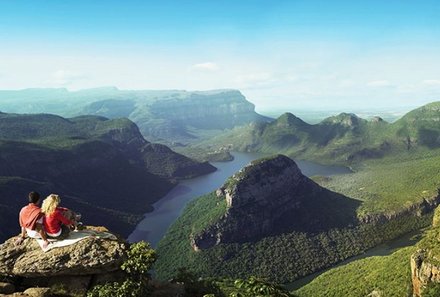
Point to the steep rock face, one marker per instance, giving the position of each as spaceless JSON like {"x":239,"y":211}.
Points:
{"x":422,"y":273}
{"x":170,"y":118}
{"x":416,"y":209}
{"x":204,"y":105}
{"x":272,"y":196}
{"x":425,"y":262}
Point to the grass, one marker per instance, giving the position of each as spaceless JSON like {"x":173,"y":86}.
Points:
{"x":212,"y":209}
{"x":389,"y":275}
{"x":391,"y":184}
{"x":57,"y":132}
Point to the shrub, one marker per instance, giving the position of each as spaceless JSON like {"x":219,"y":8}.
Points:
{"x":255,"y":287}
{"x":140,"y":258}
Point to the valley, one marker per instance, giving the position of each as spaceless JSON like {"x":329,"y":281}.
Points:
{"x":220,"y":148}
{"x":279,"y":214}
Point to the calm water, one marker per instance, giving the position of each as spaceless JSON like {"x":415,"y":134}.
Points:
{"x":153,"y":227}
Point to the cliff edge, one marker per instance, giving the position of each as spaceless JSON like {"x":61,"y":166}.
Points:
{"x":73,"y":269}
{"x":425,"y":262}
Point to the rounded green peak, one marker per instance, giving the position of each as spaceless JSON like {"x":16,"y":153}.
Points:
{"x":290,"y":120}
{"x":425,"y":112}
{"x":346,"y":115}
{"x":346,"y":119}
{"x":270,"y":159}
{"x":433,"y":105}
{"x":377,"y":119}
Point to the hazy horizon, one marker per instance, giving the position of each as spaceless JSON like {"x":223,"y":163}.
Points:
{"x":279,"y":54}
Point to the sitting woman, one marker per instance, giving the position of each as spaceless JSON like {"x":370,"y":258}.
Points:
{"x":58,"y":221}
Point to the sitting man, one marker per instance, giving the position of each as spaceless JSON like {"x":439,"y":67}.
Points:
{"x":31,"y":220}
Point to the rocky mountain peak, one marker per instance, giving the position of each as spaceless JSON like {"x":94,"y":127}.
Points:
{"x":377,"y":119}
{"x":288,"y":120}
{"x":272,"y":196}
{"x":260,"y":179}
{"x":345,"y":119}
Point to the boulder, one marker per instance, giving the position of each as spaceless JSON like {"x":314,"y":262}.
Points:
{"x":75,"y":285}
{"x":38,"y":292}
{"x":86,"y":257}
{"x":62,"y":271}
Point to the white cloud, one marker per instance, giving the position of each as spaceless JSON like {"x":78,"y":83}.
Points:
{"x":379,"y":84}
{"x":207,"y":66}
{"x":431,"y":82}
{"x":64,"y":78}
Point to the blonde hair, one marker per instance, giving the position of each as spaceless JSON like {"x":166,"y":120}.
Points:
{"x":50,"y":204}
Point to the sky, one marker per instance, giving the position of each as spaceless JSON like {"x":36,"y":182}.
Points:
{"x":282,"y":54}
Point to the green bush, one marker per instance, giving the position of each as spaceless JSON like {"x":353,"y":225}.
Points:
{"x":195,"y":286}
{"x":127,"y":288}
{"x":140,"y":258}
{"x":255,"y":287}
{"x":432,"y":290}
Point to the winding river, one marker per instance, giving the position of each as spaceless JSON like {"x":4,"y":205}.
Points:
{"x":153,"y":227}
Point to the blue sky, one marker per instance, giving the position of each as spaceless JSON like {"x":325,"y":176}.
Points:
{"x":300,"y":54}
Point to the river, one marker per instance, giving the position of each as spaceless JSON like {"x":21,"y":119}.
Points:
{"x":153,"y":227}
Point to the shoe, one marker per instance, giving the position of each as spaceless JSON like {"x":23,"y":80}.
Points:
{"x":79,"y":226}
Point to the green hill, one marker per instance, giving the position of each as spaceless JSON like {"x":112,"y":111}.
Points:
{"x":409,"y":271}
{"x":385,"y":275}
{"x":103,"y":168}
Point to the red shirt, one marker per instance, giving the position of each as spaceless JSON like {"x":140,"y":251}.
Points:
{"x":52,"y":223}
{"x":29,"y":216}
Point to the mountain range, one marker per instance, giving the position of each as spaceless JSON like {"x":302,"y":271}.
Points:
{"x":342,"y":139}
{"x":169,"y":116}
